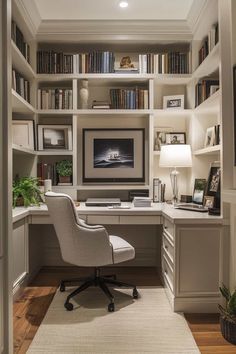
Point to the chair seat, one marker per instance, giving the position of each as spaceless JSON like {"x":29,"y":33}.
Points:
{"x":122,"y":250}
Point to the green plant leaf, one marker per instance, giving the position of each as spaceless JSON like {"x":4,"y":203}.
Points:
{"x":225,"y":292}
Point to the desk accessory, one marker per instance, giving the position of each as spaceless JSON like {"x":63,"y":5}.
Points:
{"x":158,"y":191}
{"x":137,"y":193}
{"x":175,"y":156}
{"x":47,"y":185}
{"x":142,"y":202}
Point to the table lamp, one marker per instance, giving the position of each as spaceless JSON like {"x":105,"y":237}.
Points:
{"x":175,"y":155}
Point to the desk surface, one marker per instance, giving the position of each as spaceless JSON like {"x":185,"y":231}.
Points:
{"x":161,"y":209}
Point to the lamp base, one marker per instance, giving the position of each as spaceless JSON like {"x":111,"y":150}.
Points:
{"x":174,"y":184}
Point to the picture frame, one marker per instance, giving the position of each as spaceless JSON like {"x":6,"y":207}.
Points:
{"x":214,"y":183}
{"x":23,"y":133}
{"x":173,"y":102}
{"x":159,"y":137}
{"x":54,"y":137}
{"x":176,"y":138}
{"x":208,"y":201}
{"x":210,"y":137}
{"x":113,"y":155}
{"x":199,"y":190}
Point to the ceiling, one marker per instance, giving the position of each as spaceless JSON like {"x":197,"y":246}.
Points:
{"x":110,"y":10}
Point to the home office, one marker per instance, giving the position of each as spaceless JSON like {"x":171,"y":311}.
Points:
{"x":123,"y":115}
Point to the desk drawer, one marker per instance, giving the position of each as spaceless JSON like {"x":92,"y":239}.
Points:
{"x":140,"y":219}
{"x":41,"y":219}
{"x":168,"y":227}
{"x":167,"y":273}
{"x":168,"y":246}
{"x":103,"y":219}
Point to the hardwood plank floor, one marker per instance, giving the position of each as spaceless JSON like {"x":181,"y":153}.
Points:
{"x":31,"y":307}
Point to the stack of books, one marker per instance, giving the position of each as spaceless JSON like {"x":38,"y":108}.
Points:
{"x":208,"y":43}
{"x":129,"y":98}
{"x":204,"y":89}
{"x":18,"y":38}
{"x":142,"y":202}
{"x":21,"y":85}
{"x":55,"y":99}
{"x":101,"y":105}
{"x":165,"y":63}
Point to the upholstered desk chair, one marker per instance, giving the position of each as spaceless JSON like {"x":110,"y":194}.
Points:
{"x":86,"y":246}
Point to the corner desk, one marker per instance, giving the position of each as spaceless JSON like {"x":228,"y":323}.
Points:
{"x":193,"y":247}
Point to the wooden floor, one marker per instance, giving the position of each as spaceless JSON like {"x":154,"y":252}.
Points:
{"x":32,"y":305}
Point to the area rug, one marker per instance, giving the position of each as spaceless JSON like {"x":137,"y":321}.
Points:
{"x":146,"y":325}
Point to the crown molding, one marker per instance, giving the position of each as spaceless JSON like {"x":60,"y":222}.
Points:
{"x":194,"y":16}
{"x":116,"y":29}
{"x":30,"y":14}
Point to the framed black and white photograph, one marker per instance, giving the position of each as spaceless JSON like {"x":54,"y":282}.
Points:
{"x":159,"y":137}
{"x":173,"y":102}
{"x":54,"y":137}
{"x":113,"y":155}
{"x":213,"y":183}
{"x":210,"y":137}
{"x":199,"y":190}
{"x":23,"y":133}
{"x":176,"y":138}
{"x":208,"y":201}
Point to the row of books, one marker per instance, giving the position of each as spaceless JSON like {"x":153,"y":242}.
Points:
{"x":20,"y":85}
{"x":204,"y":89}
{"x":165,"y":63}
{"x":18,"y":38}
{"x":208,"y":43}
{"x":50,"y":62}
{"x":95,"y":62}
{"x":48,"y":171}
{"x":129,"y":98}
{"x":55,"y":99}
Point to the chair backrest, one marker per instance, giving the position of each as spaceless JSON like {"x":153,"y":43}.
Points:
{"x":80,"y":244}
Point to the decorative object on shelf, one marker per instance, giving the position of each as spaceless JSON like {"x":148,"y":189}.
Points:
{"x":176,"y":138}
{"x":173,"y":102}
{"x":84,"y":94}
{"x":64,"y":170}
{"x":212,"y":136}
{"x":23,"y":133}
{"x":26,"y":192}
{"x":199,"y":190}
{"x":113,"y":155}
{"x":160,"y":137}
{"x":175,"y":156}
{"x":158,"y":191}
{"x":54,"y":137}
{"x":47,"y":185}
{"x":228,"y":315}
{"x":213,"y":183}
{"x":208,"y":201}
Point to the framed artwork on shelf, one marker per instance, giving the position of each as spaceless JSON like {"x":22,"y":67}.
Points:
{"x":176,"y":138}
{"x":173,"y":102}
{"x":213,"y":183}
{"x":159,"y":138}
{"x":54,"y":137}
{"x":23,"y":133}
{"x":113,"y":155}
{"x":208,"y":201}
{"x":199,"y":190}
{"x":210,"y":137}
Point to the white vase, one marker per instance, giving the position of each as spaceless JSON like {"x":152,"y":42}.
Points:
{"x":84,"y":94}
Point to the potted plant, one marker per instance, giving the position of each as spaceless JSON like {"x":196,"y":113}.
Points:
{"x":26,"y":192}
{"x":64,"y":170}
{"x":228,"y":315}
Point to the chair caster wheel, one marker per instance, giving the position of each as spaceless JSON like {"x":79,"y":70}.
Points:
{"x":68,"y":306}
{"x":62,"y":288}
{"x":135,"y":293}
{"x":111,"y":307}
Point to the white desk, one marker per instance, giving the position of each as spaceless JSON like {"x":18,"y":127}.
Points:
{"x":191,"y":248}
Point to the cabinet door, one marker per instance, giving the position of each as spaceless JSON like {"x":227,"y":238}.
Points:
{"x":199,"y":261}
{"x":20,"y":251}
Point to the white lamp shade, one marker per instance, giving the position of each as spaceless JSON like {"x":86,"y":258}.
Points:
{"x":175,"y":155}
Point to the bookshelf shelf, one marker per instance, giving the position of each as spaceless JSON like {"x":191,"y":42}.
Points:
{"x":211,"y":104}
{"x":55,"y":153}
{"x":20,"y":105}
{"x":212,"y":150}
{"x":209,"y":65}
{"x":17,"y":149}
{"x":20,"y":63}
{"x":136,"y":112}
{"x":55,"y":111}
{"x":172,"y":112}
{"x":173,"y":79}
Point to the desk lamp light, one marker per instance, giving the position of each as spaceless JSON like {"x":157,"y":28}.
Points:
{"x":175,"y":155}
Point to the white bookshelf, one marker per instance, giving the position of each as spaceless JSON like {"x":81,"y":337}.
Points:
{"x":20,"y":63}
{"x":20,"y":150}
{"x":211,"y":150}
{"x":211,"y":104}
{"x":20,"y":105}
{"x":209,"y":65}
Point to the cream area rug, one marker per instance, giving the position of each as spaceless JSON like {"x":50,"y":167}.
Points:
{"x":146,"y":325}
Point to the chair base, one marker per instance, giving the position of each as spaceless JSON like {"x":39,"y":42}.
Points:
{"x":96,"y":280}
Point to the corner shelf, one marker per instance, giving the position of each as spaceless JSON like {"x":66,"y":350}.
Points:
{"x":209,"y":65}
{"x":211,"y":104}
{"x":20,"y":150}
{"x":20,"y":105}
{"x":212,"y":150}
{"x":20,"y":63}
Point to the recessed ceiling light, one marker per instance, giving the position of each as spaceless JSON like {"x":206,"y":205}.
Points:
{"x":123,"y":4}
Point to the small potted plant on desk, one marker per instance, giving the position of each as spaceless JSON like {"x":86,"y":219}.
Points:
{"x":228,"y":315}
{"x":26,"y":192}
{"x":64,"y":170}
